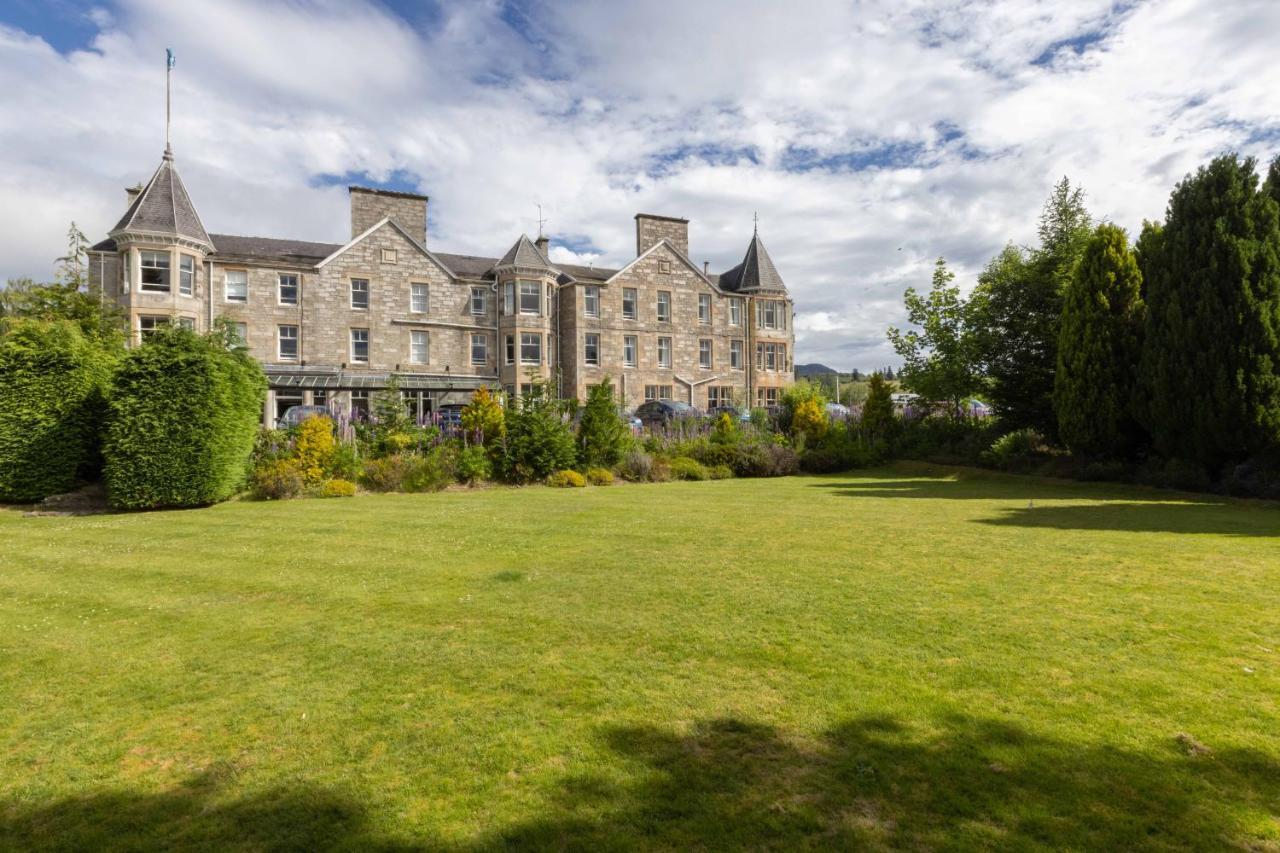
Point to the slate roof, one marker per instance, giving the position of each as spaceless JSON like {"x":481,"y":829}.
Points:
{"x":524,"y":254}
{"x":755,"y":273}
{"x":163,"y":207}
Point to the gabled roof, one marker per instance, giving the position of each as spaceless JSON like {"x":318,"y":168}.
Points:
{"x":524,"y":254}
{"x":755,"y":273}
{"x":163,"y":207}
{"x":679,"y":254}
{"x":386,"y":220}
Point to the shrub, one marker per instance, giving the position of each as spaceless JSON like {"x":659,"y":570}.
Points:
{"x":386,"y":473}
{"x":599,"y":476}
{"x":566,"y":479}
{"x":806,"y":396}
{"x":474,"y":465}
{"x":345,"y":463}
{"x":313,"y":449}
{"x":52,"y":383}
{"x":660,"y":471}
{"x":484,"y":416}
{"x":602,"y":435}
{"x":1258,"y":477}
{"x":636,"y":466}
{"x":877,"y":412}
{"x":183,"y":418}
{"x":1015,"y":450}
{"x":432,"y":472}
{"x":720,"y":472}
{"x":337,"y":488}
{"x":684,"y":468}
{"x":809,"y":421}
{"x":276,"y":480}
{"x":725,"y":430}
{"x":537,"y":442}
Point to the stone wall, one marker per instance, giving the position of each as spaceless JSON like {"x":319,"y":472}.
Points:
{"x":651,"y":228}
{"x":370,"y":206}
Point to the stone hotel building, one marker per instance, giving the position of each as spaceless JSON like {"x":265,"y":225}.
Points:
{"x":332,"y":323}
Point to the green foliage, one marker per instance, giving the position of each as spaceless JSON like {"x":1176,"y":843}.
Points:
{"x":537,"y":443}
{"x":337,"y":488}
{"x":684,"y":468}
{"x":845,"y":446}
{"x":1099,"y":347}
{"x":636,"y":466}
{"x":566,"y":479}
{"x":1210,"y":368}
{"x":52,"y":384}
{"x":602,"y":435}
{"x":941,"y":360}
{"x":1016,"y":311}
{"x":796,"y":395}
{"x":809,"y":421}
{"x":955,"y":441}
{"x":277,"y":479}
{"x":878,"y":418}
{"x":720,"y":472}
{"x":388,"y":473}
{"x":474,"y":465}
{"x":725,"y":430}
{"x":600,"y":476}
{"x":484,"y":415}
{"x":314,"y":448}
{"x":183,"y":419}
{"x":432,"y":471}
{"x":1016,"y":450}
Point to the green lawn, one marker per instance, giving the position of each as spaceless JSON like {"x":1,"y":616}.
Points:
{"x":907,"y":658}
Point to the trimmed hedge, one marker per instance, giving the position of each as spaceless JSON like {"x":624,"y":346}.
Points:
{"x":52,"y":384}
{"x":185,"y":411}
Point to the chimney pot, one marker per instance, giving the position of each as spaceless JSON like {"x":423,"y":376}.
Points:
{"x":706,"y":267}
{"x":543,"y":243}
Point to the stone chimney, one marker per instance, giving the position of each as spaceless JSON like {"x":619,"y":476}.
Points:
{"x":131,"y":195}
{"x":370,"y":206}
{"x":543,"y":244}
{"x":706,"y":267}
{"x":650,"y":229}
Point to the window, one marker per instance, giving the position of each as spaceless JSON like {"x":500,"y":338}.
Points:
{"x":186,"y":275}
{"x":148,"y":324}
{"x":664,"y":352}
{"x":242,"y":334}
{"x":664,"y":306}
{"x":704,"y":308}
{"x":704,"y":353}
{"x":154,"y":267}
{"x":735,"y":355}
{"x":767,"y":396}
{"x":360,"y":346}
{"x":187,"y":323}
{"x":360,"y":294}
{"x":591,"y":301}
{"x":629,"y":351}
{"x":629,"y":301}
{"x":419,"y":298}
{"x":511,"y":349}
{"x":508,"y":299}
{"x":479,"y":349}
{"x":478,"y":301}
{"x":319,"y":398}
{"x":657,"y":392}
{"x":288,"y":338}
{"x":591,"y":350}
{"x":288,"y":288}
{"x":360,"y":404}
{"x":419,"y":347}
{"x":530,"y":298}
{"x":530,"y":348}
{"x":235,"y":286}
{"x":771,"y":357}
{"x":771,"y":315}
{"x":526,"y":389}
{"x":735,"y":312}
{"x":719,"y":396}
{"x":389,"y":256}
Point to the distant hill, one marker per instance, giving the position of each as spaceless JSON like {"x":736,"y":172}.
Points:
{"x":803,"y":371}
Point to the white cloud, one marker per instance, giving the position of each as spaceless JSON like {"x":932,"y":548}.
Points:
{"x":870,"y":137}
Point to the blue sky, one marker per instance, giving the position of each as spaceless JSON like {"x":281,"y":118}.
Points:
{"x":871,"y":137}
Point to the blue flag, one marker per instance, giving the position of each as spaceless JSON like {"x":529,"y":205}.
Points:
{"x":169,"y":58}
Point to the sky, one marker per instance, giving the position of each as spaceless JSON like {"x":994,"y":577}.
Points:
{"x":870,"y":137}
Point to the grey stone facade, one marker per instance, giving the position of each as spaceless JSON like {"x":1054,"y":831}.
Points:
{"x":330,"y":323}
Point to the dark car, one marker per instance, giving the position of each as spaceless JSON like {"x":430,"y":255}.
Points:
{"x":663,"y":412}
{"x":295,"y":415}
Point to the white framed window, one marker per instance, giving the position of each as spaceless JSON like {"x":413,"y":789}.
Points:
{"x":530,"y":298}
{"x":771,"y":357}
{"x":419,"y":347}
{"x":657,"y":392}
{"x":360,"y":404}
{"x":664,"y":352}
{"x":319,"y":398}
{"x":478,"y":301}
{"x":419,"y":298}
{"x":767,"y":396}
{"x":719,"y":396}
{"x":154,"y":270}
{"x":148,"y":323}
{"x":287,"y":288}
{"x":629,"y":346}
{"x":704,"y":353}
{"x":186,"y":275}
{"x":735,"y":355}
{"x":509,"y":299}
{"x":287,"y":342}
{"x":389,"y":256}
{"x":591,"y":349}
{"x":704,"y":308}
{"x":511,"y":349}
{"x":629,"y":303}
{"x":735,"y":312}
{"x":664,"y":306}
{"x":591,"y":301}
{"x":187,"y":323}
{"x":479,"y":348}
{"x":530,"y":348}
{"x":771,"y":315}
{"x":360,"y":294}
{"x":242,"y":334}
{"x":235,"y":286}
{"x":360,"y":346}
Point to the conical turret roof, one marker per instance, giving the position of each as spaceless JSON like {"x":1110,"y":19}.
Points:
{"x":524,"y":254}
{"x":163,"y":207}
{"x":756,"y":273}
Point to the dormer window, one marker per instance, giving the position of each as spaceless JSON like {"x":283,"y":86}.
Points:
{"x":154,"y":267}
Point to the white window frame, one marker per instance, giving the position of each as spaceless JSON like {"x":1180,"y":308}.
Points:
{"x":478,"y":308}
{"x":365,"y":290}
{"x":630,"y":350}
{"x":280,"y":288}
{"x":530,"y":288}
{"x":735,"y":355}
{"x":706,"y":353}
{"x":160,"y":261}
{"x":591,"y":301}
{"x":419,"y":297}
{"x":355,"y":359}
{"x":281,"y":337}
{"x":188,"y":323}
{"x":508,"y":298}
{"x":419,"y":346}
{"x":186,"y":277}
{"x":533,"y":339}
{"x":664,"y":347}
{"x":704,"y":308}
{"x":590,"y":343}
{"x":510,"y":349}
{"x":154,"y":321}
{"x":482,"y":340}
{"x":663,"y":301}
{"x":632,"y":295}
{"x":242,"y":333}
{"x":735,"y":312}
{"x":238,"y":299}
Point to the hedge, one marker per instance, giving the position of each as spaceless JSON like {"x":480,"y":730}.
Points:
{"x":52,"y":382}
{"x":184,"y":413}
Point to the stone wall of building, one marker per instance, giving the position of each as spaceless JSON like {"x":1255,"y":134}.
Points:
{"x":651,"y":228}
{"x":370,"y":206}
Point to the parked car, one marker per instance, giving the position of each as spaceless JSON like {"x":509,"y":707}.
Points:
{"x":663,"y":412}
{"x":295,"y":415}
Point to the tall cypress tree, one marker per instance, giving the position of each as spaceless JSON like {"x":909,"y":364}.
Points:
{"x":1210,"y":371}
{"x":1098,"y":349}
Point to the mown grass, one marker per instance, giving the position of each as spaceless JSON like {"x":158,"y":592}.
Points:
{"x":906,"y":658}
